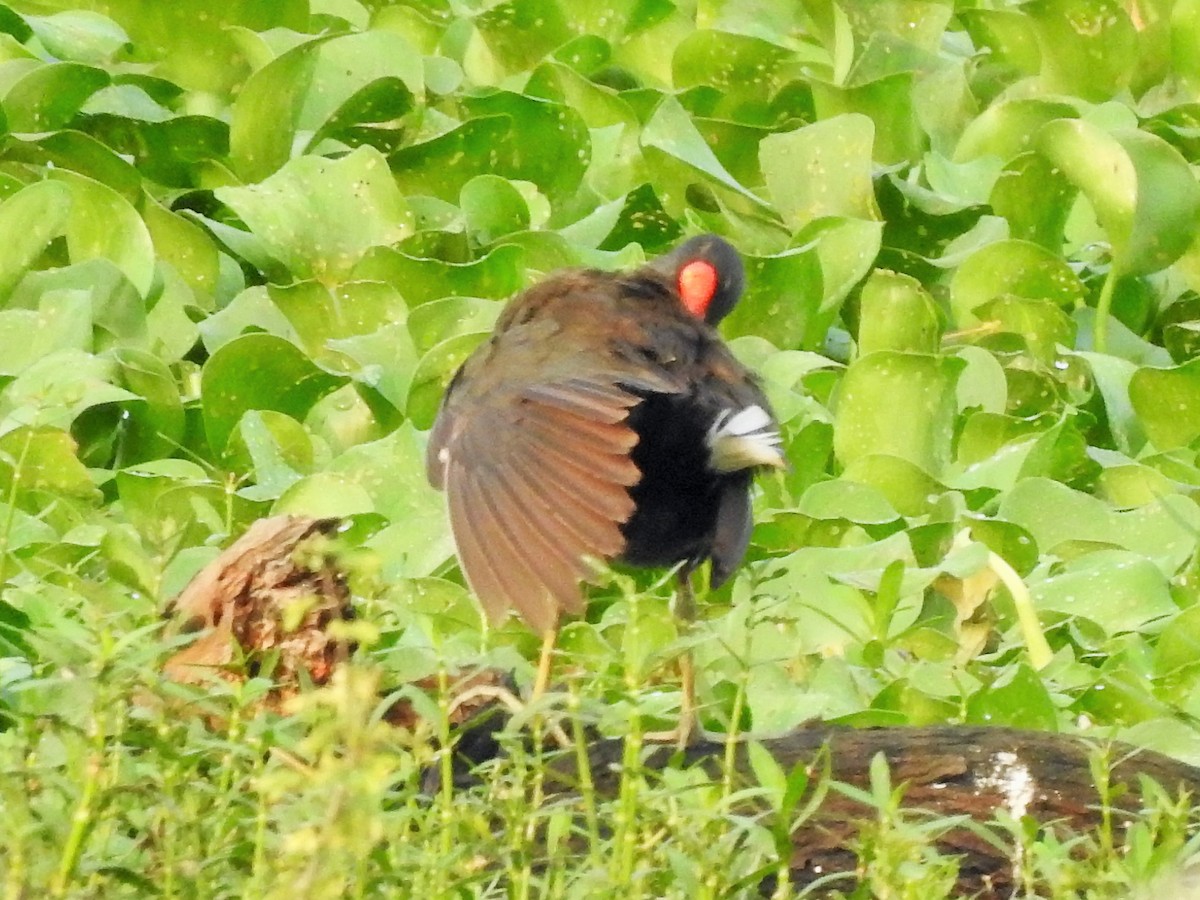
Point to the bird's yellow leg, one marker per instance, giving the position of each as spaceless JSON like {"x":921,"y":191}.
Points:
{"x":542,"y":680}
{"x":687,"y":727}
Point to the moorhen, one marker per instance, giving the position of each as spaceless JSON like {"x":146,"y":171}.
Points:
{"x":605,"y":419}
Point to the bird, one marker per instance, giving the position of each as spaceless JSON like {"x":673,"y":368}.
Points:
{"x":606,"y":419}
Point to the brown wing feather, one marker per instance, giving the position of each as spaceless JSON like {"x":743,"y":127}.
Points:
{"x":537,"y":478}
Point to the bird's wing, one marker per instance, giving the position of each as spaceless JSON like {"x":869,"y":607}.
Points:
{"x":537,"y":478}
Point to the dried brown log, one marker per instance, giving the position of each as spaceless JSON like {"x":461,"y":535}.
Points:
{"x":274,"y":592}
{"x":945,"y":771}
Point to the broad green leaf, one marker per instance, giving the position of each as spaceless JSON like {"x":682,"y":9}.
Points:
{"x":38,"y":464}
{"x":433,"y":374}
{"x":1141,"y":188}
{"x":258,"y":371}
{"x":499,"y":273}
{"x":267,"y":110}
{"x":49,"y":96}
{"x":822,"y":169}
{"x":1088,"y":46}
{"x":62,"y":321}
{"x":493,"y":207}
{"x":103,"y":225}
{"x":1018,"y":268}
{"x":320,"y":217}
{"x":31,"y":218}
{"x":320,"y":315}
{"x":671,"y":133}
{"x":898,"y":404}
{"x":1118,"y":590}
{"x":1167,"y":402}
{"x":392,"y":472}
{"x":896,"y":314}
{"x":79,"y":35}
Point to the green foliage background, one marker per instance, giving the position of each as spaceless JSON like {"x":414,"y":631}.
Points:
{"x":244,"y":244}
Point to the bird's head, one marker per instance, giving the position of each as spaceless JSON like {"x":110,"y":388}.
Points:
{"x":707,"y":274}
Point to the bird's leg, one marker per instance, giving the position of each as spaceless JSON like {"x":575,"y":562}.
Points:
{"x":688,"y":725}
{"x":542,"y":680}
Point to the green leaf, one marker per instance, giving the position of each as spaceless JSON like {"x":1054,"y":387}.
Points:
{"x":103,"y":225}
{"x":31,"y":218}
{"x":258,"y":371}
{"x":1118,"y":590}
{"x":898,"y":404}
{"x":493,"y":208}
{"x":48,"y":97}
{"x":79,"y":35}
{"x":320,"y":217}
{"x":1018,"y":268}
{"x":896,"y":314}
{"x":1167,"y":402}
{"x":671,"y":133}
{"x":1141,"y":188}
{"x":822,"y":169}
{"x":1088,"y":46}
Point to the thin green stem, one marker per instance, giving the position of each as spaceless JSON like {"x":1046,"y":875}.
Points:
{"x":1103,"y":308}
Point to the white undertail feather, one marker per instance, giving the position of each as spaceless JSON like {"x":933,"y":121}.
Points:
{"x":743,"y":440}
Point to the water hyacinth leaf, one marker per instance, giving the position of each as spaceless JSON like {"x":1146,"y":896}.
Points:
{"x":549,"y":144}
{"x":347,"y":66}
{"x":258,"y":371}
{"x":1041,"y":324}
{"x":782,"y":299}
{"x":154,"y":427}
{"x":1141,"y":188}
{"x":1112,"y":376}
{"x":499,"y":273}
{"x":30,"y":219}
{"x":520,"y":33}
{"x":846,"y":499}
{"x":118,"y":312}
{"x":436,"y":321}
{"x":80,"y":153}
{"x":103,"y":225}
{"x":906,"y":486}
{"x":384,"y":360}
{"x":1167,"y":403}
{"x":294,"y":212}
{"x":48,"y":467}
{"x":62,"y":321}
{"x":56,"y":389}
{"x":1017,"y":698}
{"x":79,"y":35}
{"x":441,"y":165}
{"x":897,"y":314}
{"x":1007,"y":129}
{"x":1035,"y":199}
{"x":670,"y":131}
{"x":433,"y":374}
{"x":49,"y":96}
{"x":745,"y":69}
{"x":1118,"y":590}
{"x":272,"y":446}
{"x":1088,"y":46}
{"x":888,"y":102}
{"x":897,"y":404}
{"x":846,"y":248}
{"x":392,"y":473}
{"x":822,"y":169}
{"x":493,"y":207}
{"x":185,"y":246}
{"x":320,"y":315}
{"x":1011,"y":267}
{"x":267,"y":110}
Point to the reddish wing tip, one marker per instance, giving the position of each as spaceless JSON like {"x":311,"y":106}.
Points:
{"x":697,"y":286}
